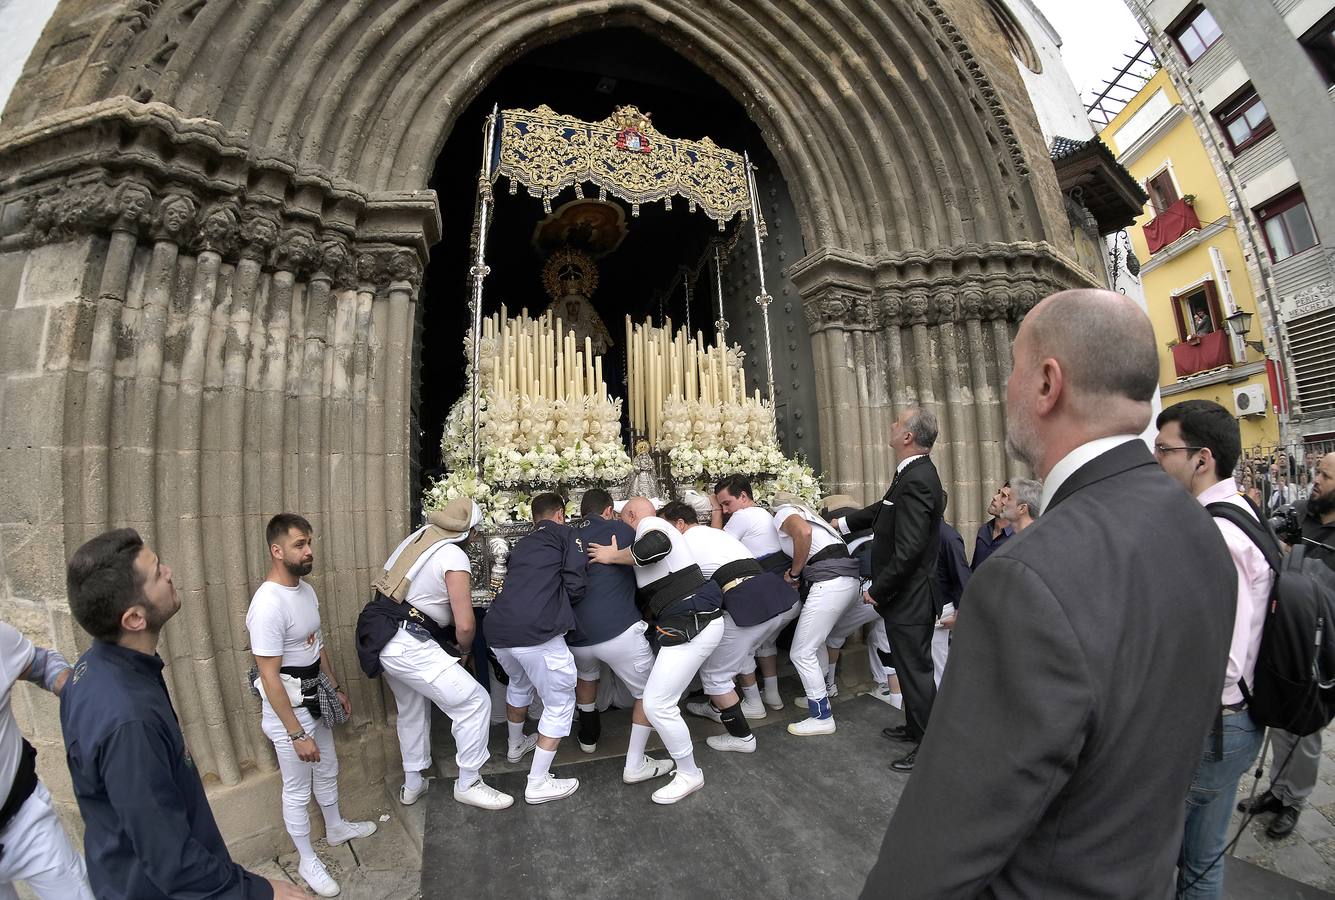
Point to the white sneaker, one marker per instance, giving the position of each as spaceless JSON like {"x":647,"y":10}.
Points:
{"x":727,"y":742}
{"x":550,"y":788}
{"x":516,"y":754}
{"x":680,"y":787}
{"x":831,"y":689}
{"x":753,"y":709}
{"x":812,"y":726}
{"x":345,"y":831}
{"x":774,"y":701}
{"x":704,"y":710}
{"x":317,"y":878}
{"x":650,"y":768}
{"x":408,"y":798}
{"x":483,"y":796}
{"x":588,"y":748}
{"x":800,"y":701}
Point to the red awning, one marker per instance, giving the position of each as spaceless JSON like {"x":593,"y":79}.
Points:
{"x":1170,"y":225}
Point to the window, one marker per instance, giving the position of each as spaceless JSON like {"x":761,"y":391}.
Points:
{"x":1162,"y":191}
{"x":1287,"y":225}
{"x":1197,"y":312}
{"x":1195,"y":33}
{"x":1320,"y":44}
{"x":1244,"y":119}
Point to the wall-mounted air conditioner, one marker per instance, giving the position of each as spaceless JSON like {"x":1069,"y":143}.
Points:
{"x":1249,"y":400}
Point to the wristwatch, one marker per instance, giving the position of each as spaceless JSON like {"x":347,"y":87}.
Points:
{"x":299,"y":736}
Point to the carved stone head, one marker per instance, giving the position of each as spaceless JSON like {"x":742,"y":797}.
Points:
{"x":258,"y":233}
{"x":219,"y":227}
{"x":131,"y":203}
{"x":175,"y":214}
{"x":403,"y":266}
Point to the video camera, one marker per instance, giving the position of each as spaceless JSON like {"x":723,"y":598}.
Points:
{"x":1287,"y":524}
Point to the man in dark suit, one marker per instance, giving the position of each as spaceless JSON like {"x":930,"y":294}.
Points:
{"x":905,"y":528}
{"x":1094,"y":644}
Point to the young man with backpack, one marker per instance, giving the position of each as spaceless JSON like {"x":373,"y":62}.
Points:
{"x":1297,"y":757}
{"x":1198,"y":445}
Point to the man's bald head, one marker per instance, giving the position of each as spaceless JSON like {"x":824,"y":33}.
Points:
{"x":636,"y":508}
{"x":1103,"y":340}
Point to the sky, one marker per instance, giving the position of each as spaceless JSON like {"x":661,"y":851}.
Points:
{"x":1095,"y":36}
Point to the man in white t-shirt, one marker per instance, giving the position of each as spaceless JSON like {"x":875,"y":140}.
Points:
{"x":397,"y":639}
{"x":33,"y":847}
{"x":284,"y":625}
{"x":754,"y":527}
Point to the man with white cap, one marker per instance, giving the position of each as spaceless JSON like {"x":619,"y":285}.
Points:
{"x":828,"y":576}
{"x":526,"y":627}
{"x":751,"y":597}
{"x":404,"y":634}
{"x":685,"y":612}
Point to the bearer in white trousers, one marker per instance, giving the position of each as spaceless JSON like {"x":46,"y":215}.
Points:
{"x":33,"y":846}
{"x":752,"y":599}
{"x":284,"y":625}
{"x":685,"y":611}
{"x":408,"y":642}
{"x":829,"y":576}
{"x":754,"y":527}
{"x":526,"y":627}
{"x":611,"y":631}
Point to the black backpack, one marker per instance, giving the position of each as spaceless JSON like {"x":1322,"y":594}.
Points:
{"x":1293,"y":687}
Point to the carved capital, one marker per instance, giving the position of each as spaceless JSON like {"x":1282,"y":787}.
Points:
{"x":972,"y":304}
{"x":131,"y":206}
{"x":219,"y":228}
{"x":295,"y":252}
{"x":336,"y":264}
{"x":916,"y":306}
{"x":174,"y":219}
{"x":259,"y":233}
{"x":942,"y":307}
{"x":891,"y":309}
{"x":1023,"y":300}
{"x":996,"y":304}
{"x":371,"y":269}
{"x":405,"y":266}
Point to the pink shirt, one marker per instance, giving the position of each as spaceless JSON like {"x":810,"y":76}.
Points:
{"x":1254,"y":581}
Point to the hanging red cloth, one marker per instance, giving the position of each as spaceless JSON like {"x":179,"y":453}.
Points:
{"x":1170,"y":225}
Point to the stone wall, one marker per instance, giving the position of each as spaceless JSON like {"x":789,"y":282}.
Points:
{"x":212,"y":224}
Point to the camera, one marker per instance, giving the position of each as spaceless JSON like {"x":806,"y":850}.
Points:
{"x":1287,"y":524}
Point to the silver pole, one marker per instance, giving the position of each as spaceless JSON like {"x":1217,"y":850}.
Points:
{"x":686,"y":284}
{"x":721,"y":325}
{"x":479,"y":270}
{"x":764,"y":299}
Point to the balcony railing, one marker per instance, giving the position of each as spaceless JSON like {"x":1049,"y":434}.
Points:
{"x":1201,"y":353}
{"x":1170,"y":225}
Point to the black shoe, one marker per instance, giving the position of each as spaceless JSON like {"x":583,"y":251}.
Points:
{"x":897,"y":733}
{"x":1265,"y":803}
{"x":906,"y":763}
{"x":1283,"y":824}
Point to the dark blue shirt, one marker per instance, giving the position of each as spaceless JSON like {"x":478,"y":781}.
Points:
{"x":952,"y":573}
{"x":984,"y":546}
{"x":608,"y":607}
{"x":149,"y":832}
{"x":545,"y":576}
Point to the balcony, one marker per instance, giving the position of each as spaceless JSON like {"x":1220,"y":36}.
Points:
{"x":1170,"y":225}
{"x":1201,"y":353}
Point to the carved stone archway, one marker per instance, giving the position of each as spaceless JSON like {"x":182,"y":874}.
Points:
{"x":213,"y":219}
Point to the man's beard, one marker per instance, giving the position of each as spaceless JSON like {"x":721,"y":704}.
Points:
{"x":1320,"y":504}
{"x":299,"y":570}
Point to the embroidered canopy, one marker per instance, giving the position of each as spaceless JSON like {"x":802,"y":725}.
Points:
{"x":624,"y":155}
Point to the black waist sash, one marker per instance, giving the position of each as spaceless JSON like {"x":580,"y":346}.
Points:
{"x":659,"y":595}
{"x":824,"y":565}
{"x":738,"y":568}
{"x":25,"y":782}
{"x":308,"y":676}
{"x":778,"y":561}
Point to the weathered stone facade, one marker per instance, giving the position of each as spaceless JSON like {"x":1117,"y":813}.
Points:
{"x":213,"y":218}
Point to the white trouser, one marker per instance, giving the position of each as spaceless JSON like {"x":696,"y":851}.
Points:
{"x":300,"y":779}
{"x":854,"y":617}
{"x":673,"y":670}
{"x":550,"y":669}
{"x":827,"y":602}
{"x":38,"y":853}
{"x":769,"y":643}
{"x":628,"y":655}
{"x":735,"y":650}
{"x":941,"y":645}
{"x":420,"y":673}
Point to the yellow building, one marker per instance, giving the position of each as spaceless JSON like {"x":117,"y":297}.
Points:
{"x":1193,"y":270}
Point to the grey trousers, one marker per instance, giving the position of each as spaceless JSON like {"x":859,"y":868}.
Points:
{"x":1293,"y":786}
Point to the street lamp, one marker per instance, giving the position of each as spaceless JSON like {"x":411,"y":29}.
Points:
{"x":1239,"y":325}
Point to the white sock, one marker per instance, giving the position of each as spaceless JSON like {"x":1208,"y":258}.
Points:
{"x":412,"y":780}
{"x":304,"y":848}
{"x":586,"y":707}
{"x":332,"y":817}
{"x":751,"y":692}
{"x":468,"y":778}
{"x":516,"y":733}
{"x":542,"y":764}
{"x":687,"y":764}
{"x":639,"y":739}
{"x":771,"y":685}
{"x":897,"y":701}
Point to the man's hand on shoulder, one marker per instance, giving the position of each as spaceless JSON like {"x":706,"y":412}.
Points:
{"x":605,"y":553}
